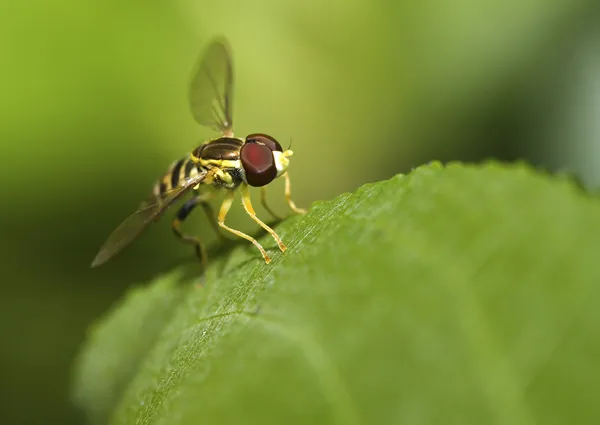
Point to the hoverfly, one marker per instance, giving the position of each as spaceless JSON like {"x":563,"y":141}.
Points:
{"x":224,"y":164}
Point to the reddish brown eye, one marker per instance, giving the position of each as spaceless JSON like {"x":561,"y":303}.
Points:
{"x":265,"y":140}
{"x":258,"y":163}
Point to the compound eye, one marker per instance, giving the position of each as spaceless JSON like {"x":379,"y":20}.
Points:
{"x":265,"y":140}
{"x":258,"y":163}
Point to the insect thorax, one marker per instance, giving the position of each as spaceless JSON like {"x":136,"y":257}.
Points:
{"x":224,"y":148}
{"x":220,"y":158}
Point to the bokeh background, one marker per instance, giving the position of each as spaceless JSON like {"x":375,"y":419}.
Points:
{"x":93,"y":109}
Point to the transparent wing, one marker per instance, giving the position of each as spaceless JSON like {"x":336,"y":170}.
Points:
{"x":133,"y":226}
{"x":211,"y":87}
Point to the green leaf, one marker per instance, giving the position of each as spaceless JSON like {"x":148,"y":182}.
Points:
{"x":452,"y":295}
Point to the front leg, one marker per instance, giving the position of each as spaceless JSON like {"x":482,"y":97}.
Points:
{"x":225,"y":206}
{"x":248,"y":207}
{"x":288,"y":195}
{"x":263,"y":201}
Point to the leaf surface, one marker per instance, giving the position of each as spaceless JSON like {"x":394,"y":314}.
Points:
{"x":454,"y":294}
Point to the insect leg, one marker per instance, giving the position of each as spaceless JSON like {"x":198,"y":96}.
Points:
{"x":182,"y":214}
{"x":248,"y":207}
{"x":263,"y":201}
{"x":212,"y":218}
{"x":288,"y":195}
{"x":225,"y":206}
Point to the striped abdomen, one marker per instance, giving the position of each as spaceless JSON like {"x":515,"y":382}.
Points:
{"x":179,"y":170}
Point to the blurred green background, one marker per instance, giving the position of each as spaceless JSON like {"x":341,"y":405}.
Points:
{"x":94,"y":109}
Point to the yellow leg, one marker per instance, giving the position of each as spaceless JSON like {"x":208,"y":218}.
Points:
{"x":263,"y":201}
{"x":248,"y":207}
{"x":210,"y":213}
{"x":225,"y":206}
{"x":288,"y":195}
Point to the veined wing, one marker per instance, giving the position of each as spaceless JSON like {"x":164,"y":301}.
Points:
{"x":211,"y":87}
{"x":133,"y":226}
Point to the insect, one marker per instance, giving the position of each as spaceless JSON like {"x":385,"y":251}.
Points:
{"x":227,"y":163}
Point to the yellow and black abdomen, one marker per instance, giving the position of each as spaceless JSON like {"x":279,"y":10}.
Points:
{"x":179,"y":170}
